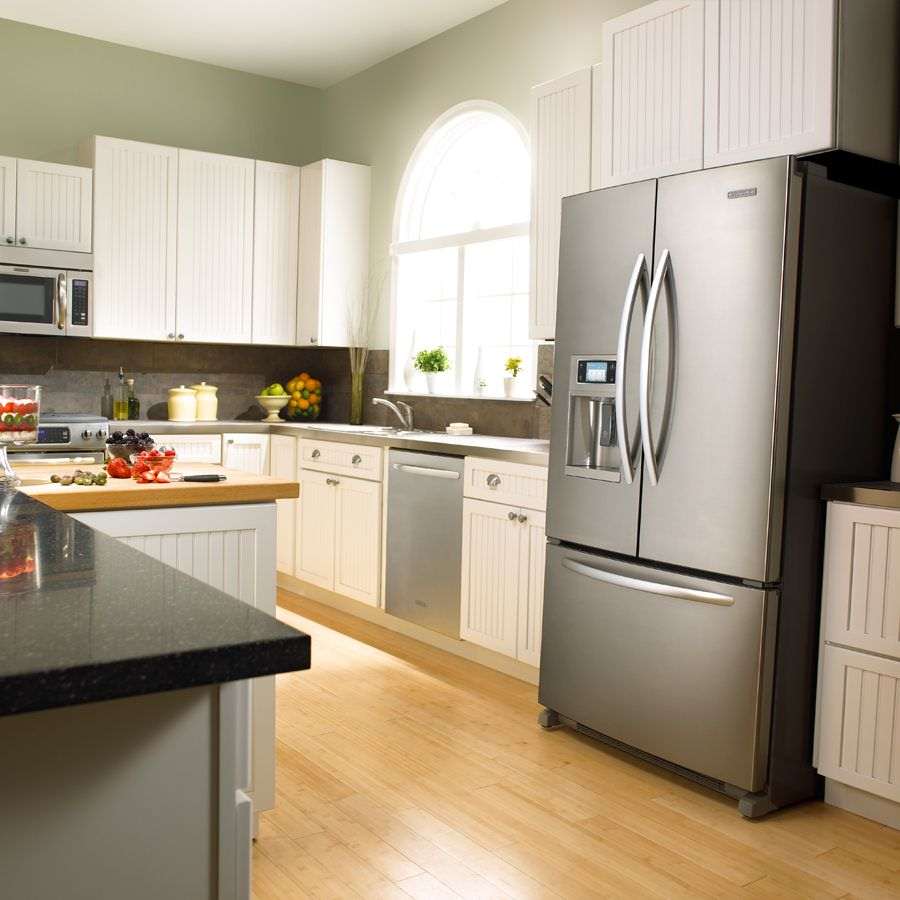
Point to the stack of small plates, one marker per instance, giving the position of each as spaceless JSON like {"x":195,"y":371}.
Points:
{"x":459,"y":429}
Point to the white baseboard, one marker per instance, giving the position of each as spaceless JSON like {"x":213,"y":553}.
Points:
{"x":869,"y":806}
{"x":465,"y":649}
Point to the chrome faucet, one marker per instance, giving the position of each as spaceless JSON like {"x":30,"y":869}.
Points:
{"x":403,"y":411}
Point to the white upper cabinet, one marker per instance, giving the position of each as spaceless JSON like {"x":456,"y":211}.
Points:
{"x":53,"y":206}
{"x":7,"y":199}
{"x":275,"y":251}
{"x":561,"y":165}
{"x":651,"y":104}
{"x":334,"y":250}
{"x":215,"y":247}
{"x":135,"y":218}
{"x":770,"y":87}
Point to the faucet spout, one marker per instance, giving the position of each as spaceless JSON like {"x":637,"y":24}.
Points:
{"x":403,"y":411}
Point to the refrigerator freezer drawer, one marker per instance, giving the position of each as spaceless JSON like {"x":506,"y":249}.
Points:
{"x":676,"y":666}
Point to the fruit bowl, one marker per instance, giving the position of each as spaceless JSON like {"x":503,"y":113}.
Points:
{"x":305,"y":403}
{"x":20,"y":408}
{"x":272,"y":405}
{"x":125,"y":444}
{"x":150,"y":466}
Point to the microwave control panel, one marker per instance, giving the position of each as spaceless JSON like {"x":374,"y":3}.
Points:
{"x":78,"y":298}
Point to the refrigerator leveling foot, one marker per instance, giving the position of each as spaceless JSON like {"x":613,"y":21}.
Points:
{"x":549,"y":718}
{"x":755,"y":806}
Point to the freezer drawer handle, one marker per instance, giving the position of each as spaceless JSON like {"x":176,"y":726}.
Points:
{"x":640,"y":277}
{"x":648,"y":587}
{"x":664,"y":268}
{"x":424,"y":470}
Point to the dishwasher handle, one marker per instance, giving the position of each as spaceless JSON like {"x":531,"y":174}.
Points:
{"x":426,"y":470}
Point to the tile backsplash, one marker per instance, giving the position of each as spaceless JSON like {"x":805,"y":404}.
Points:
{"x":75,"y":371}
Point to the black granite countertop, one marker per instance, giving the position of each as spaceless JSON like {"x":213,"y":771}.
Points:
{"x":84,"y":617}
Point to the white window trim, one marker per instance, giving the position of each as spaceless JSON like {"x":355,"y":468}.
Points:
{"x":398,"y":247}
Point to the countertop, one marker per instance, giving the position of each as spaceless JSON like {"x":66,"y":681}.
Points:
{"x":871,"y":493}
{"x":522,"y":450}
{"x":124,"y":493}
{"x":96,"y":619}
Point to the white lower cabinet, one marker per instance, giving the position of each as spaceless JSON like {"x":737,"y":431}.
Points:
{"x":338,"y":534}
{"x":246,"y":453}
{"x":193,"y":448}
{"x":283,"y":464}
{"x":502,"y":578}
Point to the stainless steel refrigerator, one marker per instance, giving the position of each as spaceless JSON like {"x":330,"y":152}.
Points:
{"x":721,"y":351}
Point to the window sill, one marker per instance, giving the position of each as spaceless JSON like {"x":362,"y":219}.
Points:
{"x":492,"y":397}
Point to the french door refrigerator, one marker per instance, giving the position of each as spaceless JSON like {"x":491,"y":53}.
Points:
{"x":721,"y":347}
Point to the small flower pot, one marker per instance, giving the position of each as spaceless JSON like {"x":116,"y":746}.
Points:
{"x":431,"y":381}
{"x":510,"y":383}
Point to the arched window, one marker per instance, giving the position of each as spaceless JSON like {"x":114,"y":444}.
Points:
{"x":461,"y":251}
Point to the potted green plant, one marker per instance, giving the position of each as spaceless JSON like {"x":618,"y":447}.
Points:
{"x":513,"y":366}
{"x":432,"y":363}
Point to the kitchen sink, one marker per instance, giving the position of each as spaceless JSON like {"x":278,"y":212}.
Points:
{"x":352,"y":429}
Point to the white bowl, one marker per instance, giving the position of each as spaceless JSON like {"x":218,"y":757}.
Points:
{"x":272,"y":405}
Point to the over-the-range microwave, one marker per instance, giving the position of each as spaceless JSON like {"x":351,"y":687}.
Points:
{"x":43,"y":300}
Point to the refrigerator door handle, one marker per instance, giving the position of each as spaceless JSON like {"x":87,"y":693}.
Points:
{"x":648,"y":587}
{"x":640,"y":278}
{"x":662,"y":269}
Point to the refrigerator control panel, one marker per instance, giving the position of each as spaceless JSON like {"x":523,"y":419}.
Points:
{"x":596,"y":371}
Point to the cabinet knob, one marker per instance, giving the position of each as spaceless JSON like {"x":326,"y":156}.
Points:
{"x":493,"y":481}
{"x":313,"y":340}
{"x":230,"y":440}
{"x":356,"y":460}
{"x":10,"y":239}
{"x":180,"y":337}
{"x":522,"y":518}
{"x":332,"y":481}
{"x":512,"y":516}
{"x":171,"y":335}
{"x":316,"y":454}
{"x":22,"y":241}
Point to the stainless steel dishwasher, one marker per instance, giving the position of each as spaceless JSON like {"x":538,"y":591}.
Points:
{"x":424,"y":539}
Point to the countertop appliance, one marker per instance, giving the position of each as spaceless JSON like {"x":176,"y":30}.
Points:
{"x":45,"y":300}
{"x":697,"y":414}
{"x":424,"y":548}
{"x":65,"y":438}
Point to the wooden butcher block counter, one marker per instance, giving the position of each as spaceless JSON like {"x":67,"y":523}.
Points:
{"x":124,"y":493}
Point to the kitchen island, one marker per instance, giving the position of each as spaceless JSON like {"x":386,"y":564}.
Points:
{"x":223,"y":534}
{"x":124,"y":709}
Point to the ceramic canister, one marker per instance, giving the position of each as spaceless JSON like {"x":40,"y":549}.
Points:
{"x":207,"y":401}
{"x":182,"y":404}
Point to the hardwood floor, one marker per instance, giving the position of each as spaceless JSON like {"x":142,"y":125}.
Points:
{"x":407,"y":772}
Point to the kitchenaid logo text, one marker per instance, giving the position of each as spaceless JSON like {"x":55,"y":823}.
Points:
{"x":744,"y":192}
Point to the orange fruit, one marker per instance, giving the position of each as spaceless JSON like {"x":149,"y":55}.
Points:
{"x":303,"y":404}
{"x":312,"y":384}
{"x":303,"y":376}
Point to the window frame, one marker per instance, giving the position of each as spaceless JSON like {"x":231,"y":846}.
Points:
{"x":459,"y":240}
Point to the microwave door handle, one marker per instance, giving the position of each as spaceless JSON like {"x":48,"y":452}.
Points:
{"x":640,"y":278}
{"x":61,"y":305}
{"x":646,"y":346}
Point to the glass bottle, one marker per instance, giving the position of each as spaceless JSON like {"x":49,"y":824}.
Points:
{"x":120,"y":398}
{"x":134,"y":405}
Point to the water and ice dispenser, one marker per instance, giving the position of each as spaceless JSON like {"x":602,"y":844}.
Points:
{"x":592,"y":449}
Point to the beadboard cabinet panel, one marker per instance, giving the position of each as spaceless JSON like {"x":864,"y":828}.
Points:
{"x":215,"y":247}
{"x":53,"y":206}
{"x":283,"y":464}
{"x":135,"y":219}
{"x":357,"y":566}
{"x":275,"y":251}
{"x":652,"y":92}
{"x":561,"y":165}
{"x":8,"y":200}
{"x":315,"y":534}
{"x":246,"y":453}
{"x":194,"y":448}
{"x":770,"y":86}
{"x":532,"y":556}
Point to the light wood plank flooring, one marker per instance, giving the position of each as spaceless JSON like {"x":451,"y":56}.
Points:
{"x":407,"y":772}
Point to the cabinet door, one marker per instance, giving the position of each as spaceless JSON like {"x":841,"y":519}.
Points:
{"x":314,"y":551}
{"x":275,"y":225}
{"x":859,"y":709}
{"x":770,"y":79}
{"x":492,"y":578}
{"x":215,"y":247}
{"x":53,"y":206}
{"x":7,"y":199}
{"x":135,"y":217}
{"x":246,"y":453}
{"x":357,"y":569}
{"x":651,"y":106}
{"x":533,"y":554}
{"x":561,"y":165}
{"x":193,"y":448}
{"x":283,"y":464}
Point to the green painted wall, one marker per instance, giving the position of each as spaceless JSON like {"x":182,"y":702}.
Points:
{"x":60,"y":88}
{"x":378,"y":116}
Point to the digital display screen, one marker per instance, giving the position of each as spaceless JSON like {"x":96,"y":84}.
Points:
{"x":596,"y":371}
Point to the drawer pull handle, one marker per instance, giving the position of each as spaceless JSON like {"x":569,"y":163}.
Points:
{"x":357,"y":459}
{"x":316,"y":454}
{"x":332,"y":481}
{"x":493,"y":481}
